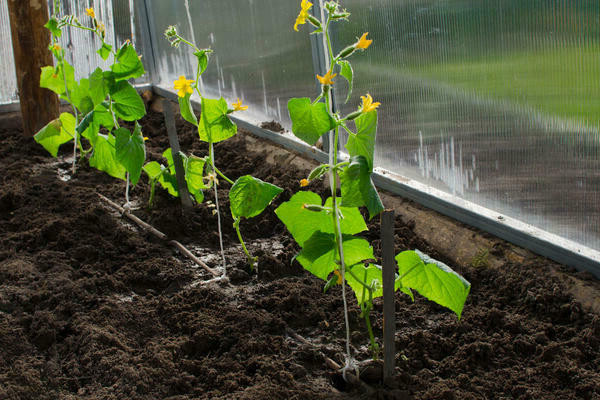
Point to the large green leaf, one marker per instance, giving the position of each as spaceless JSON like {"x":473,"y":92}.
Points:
{"x":435,"y":281}
{"x":54,"y":78}
{"x":128,"y":105}
{"x":347,"y":72}
{"x":303,"y":223}
{"x":249,"y":196}
{"x":185,"y":107}
{"x":80,"y":96}
{"x":98,"y":88}
{"x":194,"y":174}
{"x":309,"y":121}
{"x":131,"y":151}
{"x":318,"y":255}
{"x":357,"y":187}
{"x":215,"y":126}
{"x":52,"y":136}
{"x":128,"y":64}
{"x":363,"y":142}
{"x":104,"y":157}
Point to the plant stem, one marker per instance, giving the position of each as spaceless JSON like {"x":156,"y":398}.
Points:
{"x":211,"y":156}
{"x":152,"y":191}
{"x":222,"y":175}
{"x":251,"y":260}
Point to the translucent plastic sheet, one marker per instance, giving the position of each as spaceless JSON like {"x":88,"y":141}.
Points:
{"x":257,"y":55}
{"x":496,"y":102}
{"x":8,"y":84}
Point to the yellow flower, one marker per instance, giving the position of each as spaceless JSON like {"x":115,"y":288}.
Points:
{"x":56,"y":47}
{"x":339,"y":275}
{"x":367,"y":103}
{"x":363,"y":42}
{"x":304,"y":182}
{"x":327,"y":79}
{"x":237,"y":106}
{"x":301,"y":19}
{"x":90,"y":12}
{"x":183,"y":87}
{"x":146,"y":138}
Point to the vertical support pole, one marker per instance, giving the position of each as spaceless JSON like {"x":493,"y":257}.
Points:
{"x":30,"y":48}
{"x":184,"y":194}
{"x":389,"y":303}
{"x":149,"y":38}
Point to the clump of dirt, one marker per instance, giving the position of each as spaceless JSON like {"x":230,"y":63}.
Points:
{"x":93,"y":308}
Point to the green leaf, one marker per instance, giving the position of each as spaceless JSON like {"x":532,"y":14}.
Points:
{"x":104,"y":157}
{"x":346,"y":72}
{"x":52,"y":26}
{"x":153,"y":169}
{"x":97,"y":87}
{"x":309,"y":121}
{"x":80,"y":96}
{"x":435,"y":281}
{"x":52,"y":136}
{"x":130,"y":151}
{"x":103,"y":116}
{"x":318,"y":255}
{"x":202,"y":57}
{"x":318,"y":172}
{"x":363,"y":142}
{"x":104,"y":51}
{"x":168,"y":154}
{"x":214,"y":123}
{"x":357,"y":187}
{"x":249,"y":196}
{"x":194,"y":173}
{"x":371,"y":275}
{"x":128,"y":64}
{"x":54,"y":78}
{"x":303,"y":223}
{"x":187,"y":112}
{"x":128,"y":105}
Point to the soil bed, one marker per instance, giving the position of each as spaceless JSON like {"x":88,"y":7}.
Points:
{"x":93,"y":308}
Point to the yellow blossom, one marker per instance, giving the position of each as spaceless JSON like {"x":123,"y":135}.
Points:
{"x":363,"y":42}
{"x":56,"y":47}
{"x":90,"y":12}
{"x":237,"y":106}
{"x":146,"y":138}
{"x":301,"y":19}
{"x":304,"y":182}
{"x":183,"y":87}
{"x":367,"y":103}
{"x":327,"y":79}
{"x":339,"y":275}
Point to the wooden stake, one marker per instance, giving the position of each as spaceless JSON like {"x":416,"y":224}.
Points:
{"x":30,"y":48}
{"x":389,"y":302}
{"x":184,"y":194}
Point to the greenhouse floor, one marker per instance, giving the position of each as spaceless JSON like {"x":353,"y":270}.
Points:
{"x":93,"y":308}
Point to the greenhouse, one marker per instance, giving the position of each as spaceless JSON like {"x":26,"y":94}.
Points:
{"x":293,"y":199}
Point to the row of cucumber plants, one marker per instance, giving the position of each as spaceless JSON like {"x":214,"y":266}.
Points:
{"x":106,"y":97}
{"x":327,"y":231}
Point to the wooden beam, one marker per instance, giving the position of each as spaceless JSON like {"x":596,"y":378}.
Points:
{"x":30,"y":48}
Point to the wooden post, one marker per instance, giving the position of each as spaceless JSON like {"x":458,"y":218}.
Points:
{"x":389,"y":302}
{"x":30,"y":47}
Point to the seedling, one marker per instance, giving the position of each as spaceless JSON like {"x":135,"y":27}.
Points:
{"x":99,"y":101}
{"x":248,"y":196}
{"x":326,"y":231}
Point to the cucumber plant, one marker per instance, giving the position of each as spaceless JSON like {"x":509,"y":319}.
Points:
{"x":98,"y":101}
{"x":248,"y":196}
{"x":326,"y":231}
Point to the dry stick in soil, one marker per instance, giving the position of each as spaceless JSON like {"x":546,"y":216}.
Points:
{"x":158,"y":234}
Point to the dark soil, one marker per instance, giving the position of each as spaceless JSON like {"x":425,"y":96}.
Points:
{"x":93,"y":308}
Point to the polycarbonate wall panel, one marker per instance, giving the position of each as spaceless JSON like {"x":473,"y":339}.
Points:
{"x":8,"y":82}
{"x":257,"y":55}
{"x":496,"y":102}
